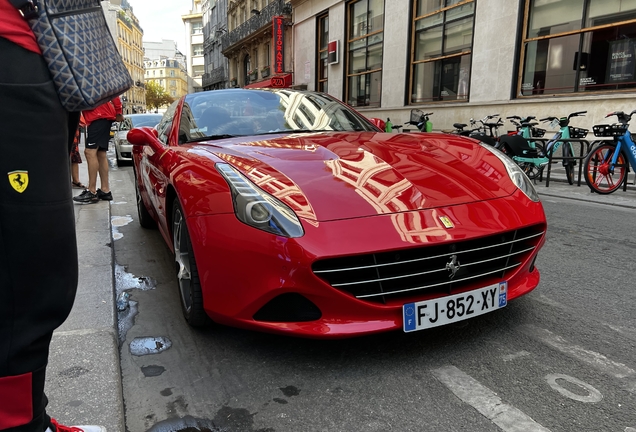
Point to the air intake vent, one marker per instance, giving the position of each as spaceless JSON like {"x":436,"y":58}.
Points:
{"x":432,"y":269}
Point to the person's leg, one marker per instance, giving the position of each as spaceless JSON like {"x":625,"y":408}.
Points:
{"x":93,"y":168}
{"x":102,"y":157}
{"x":75,"y":173}
{"x":38,"y":251}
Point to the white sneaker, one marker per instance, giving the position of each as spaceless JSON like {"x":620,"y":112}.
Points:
{"x":61,"y":428}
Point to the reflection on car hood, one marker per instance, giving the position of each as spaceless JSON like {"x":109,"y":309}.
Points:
{"x":330,"y":176}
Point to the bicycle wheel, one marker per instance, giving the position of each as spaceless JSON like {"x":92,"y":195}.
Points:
{"x":531,"y":170}
{"x":568,"y":163}
{"x":599,"y":175}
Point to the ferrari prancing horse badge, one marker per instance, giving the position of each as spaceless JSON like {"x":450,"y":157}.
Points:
{"x":19,"y":180}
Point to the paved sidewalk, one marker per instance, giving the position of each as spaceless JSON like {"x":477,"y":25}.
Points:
{"x":560,"y":188}
{"x":84,"y":378}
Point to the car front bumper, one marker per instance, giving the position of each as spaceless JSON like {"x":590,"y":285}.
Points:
{"x":243,"y":270}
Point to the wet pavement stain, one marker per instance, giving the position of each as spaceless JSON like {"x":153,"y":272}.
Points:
{"x":280,"y":401}
{"x":126,"y":319}
{"x":186,"y":424}
{"x":177,"y":407}
{"x":226,"y":420}
{"x":152,"y":370}
{"x":125,"y":280}
{"x":149,"y":345}
{"x":166,"y":392}
{"x":75,"y":403}
{"x":237,"y":420}
{"x":73,"y":372}
{"x":118,"y":222}
{"x":290,"y":391}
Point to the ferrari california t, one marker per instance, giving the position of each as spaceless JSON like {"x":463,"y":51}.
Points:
{"x":289,"y":212}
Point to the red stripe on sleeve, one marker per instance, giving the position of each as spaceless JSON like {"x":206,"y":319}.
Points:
{"x":16,"y":401}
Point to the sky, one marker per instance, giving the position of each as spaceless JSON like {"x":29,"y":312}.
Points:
{"x":161,"y":19}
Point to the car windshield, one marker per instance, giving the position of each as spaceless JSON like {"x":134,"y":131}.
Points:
{"x":139,"y":120}
{"x":240,"y":112}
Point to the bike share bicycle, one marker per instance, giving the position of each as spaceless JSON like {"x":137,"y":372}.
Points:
{"x":528,"y":154}
{"x":536,"y":159}
{"x":607,"y":164}
{"x":421,"y":120}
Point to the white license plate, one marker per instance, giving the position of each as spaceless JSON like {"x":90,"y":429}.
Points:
{"x":458,"y":307}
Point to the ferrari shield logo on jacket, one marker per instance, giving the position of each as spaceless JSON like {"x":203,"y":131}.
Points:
{"x":19,"y":180}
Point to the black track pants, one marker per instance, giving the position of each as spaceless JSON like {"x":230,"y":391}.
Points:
{"x":38,"y":250}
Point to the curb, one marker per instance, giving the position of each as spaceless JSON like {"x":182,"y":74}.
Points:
{"x":83,"y":380}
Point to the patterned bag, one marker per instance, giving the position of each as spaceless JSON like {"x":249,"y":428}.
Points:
{"x":77,"y":46}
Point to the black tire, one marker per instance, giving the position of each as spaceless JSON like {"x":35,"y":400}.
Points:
{"x":531,"y":170}
{"x":145,"y":218}
{"x":568,"y":163}
{"x":188,"y":281}
{"x":596,"y":169}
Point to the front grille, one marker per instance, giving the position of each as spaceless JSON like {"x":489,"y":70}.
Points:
{"x":427,"y":270}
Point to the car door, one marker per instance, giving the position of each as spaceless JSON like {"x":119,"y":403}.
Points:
{"x":154,"y":176}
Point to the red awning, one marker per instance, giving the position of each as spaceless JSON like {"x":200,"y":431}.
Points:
{"x":278,"y":81}
{"x":260,"y":84}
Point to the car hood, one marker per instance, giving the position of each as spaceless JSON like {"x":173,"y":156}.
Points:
{"x":331,"y":176}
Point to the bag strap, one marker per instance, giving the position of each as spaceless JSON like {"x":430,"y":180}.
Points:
{"x":28,"y":8}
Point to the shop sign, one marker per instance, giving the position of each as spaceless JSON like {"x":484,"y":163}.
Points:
{"x":278,"y":36}
{"x":621,"y":61}
{"x":332,"y":49}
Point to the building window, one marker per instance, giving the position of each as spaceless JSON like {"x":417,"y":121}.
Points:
{"x":171,"y":73}
{"x":575,"y":46}
{"x":197,"y":50}
{"x":323,"y":64}
{"x":197,"y":27}
{"x":365,"y":36}
{"x":442,"y":45}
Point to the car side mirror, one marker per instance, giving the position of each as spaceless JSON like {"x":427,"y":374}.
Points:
{"x":379,"y":123}
{"x":144,"y":136}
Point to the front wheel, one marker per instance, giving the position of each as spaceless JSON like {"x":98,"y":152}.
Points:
{"x":145,"y":218}
{"x":568,"y":163}
{"x":600,"y":176}
{"x":187,"y":273}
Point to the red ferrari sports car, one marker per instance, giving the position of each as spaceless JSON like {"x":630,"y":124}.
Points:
{"x":289,"y":212}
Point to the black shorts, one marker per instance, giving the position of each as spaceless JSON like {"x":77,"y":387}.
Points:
{"x":98,"y":134}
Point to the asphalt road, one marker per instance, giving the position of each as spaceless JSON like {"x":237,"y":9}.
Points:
{"x":562,"y":358}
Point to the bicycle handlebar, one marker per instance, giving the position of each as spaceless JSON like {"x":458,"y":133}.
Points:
{"x":576,"y":114}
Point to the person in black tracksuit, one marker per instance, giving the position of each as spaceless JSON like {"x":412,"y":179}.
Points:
{"x":38,"y":250}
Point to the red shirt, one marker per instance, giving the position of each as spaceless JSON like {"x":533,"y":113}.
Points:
{"x":108,"y":110}
{"x":15,"y":28}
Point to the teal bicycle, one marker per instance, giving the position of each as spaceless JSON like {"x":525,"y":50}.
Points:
{"x":533,"y":158}
{"x":566,"y":131}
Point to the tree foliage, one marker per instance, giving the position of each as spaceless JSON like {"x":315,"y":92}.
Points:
{"x":156,"y":96}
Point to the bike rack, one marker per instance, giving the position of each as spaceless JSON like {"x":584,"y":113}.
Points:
{"x":585,"y":147}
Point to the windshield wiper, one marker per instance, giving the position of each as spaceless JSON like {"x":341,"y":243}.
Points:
{"x":212,"y":138}
{"x":311,"y":130}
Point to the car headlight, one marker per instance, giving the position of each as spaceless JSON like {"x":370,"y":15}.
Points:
{"x":257,"y":208}
{"x":518,"y":177}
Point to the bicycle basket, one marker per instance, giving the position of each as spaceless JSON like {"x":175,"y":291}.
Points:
{"x":416,"y":115}
{"x":604,"y":130}
{"x":538,"y":132}
{"x":578,"y":132}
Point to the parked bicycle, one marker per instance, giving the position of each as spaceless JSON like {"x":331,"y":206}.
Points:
{"x":421,"y":120}
{"x":607,"y":164}
{"x":561,"y":137}
{"x":488,"y":132}
{"x":528,"y":154}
